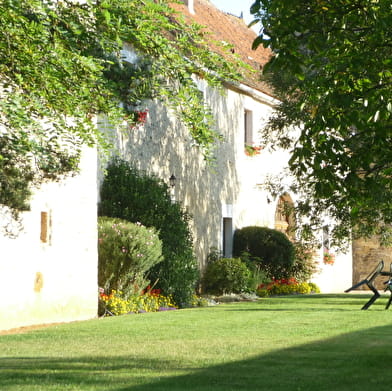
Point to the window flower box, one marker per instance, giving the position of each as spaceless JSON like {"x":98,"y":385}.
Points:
{"x":251,"y":150}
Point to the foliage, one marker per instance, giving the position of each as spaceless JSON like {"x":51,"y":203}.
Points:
{"x":226,"y":275}
{"x":269,"y":248}
{"x":61,"y":65}
{"x":257,"y":274}
{"x":305,"y":263}
{"x":332,"y":72}
{"x":214,"y":254}
{"x":199,"y":301}
{"x":27,"y":159}
{"x":286,"y":287}
{"x":126,"y":252}
{"x":117,"y":304}
{"x":134,"y":196}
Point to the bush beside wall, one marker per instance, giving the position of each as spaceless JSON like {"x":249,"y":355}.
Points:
{"x":137,"y":197}
{"x":269,"y":248}
{"x":126,"y":252}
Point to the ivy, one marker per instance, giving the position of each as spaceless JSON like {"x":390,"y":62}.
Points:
{"x":61,"y":68}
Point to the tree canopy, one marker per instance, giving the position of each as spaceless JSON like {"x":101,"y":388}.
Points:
{"x":61,"y":66}
{"x":332,"y":70}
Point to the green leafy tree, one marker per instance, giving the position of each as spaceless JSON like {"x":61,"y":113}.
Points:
{"x":61,"y":66}
{"x":332,"y":70}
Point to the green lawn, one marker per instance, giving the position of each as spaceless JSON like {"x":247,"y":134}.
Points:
{"x":320,"y":342}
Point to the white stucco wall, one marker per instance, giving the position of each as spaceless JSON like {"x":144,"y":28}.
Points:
{"x":231,"y":187}
{"x":163,"y":147}
{"x":66,"y":265}
{"x":335,"y":278}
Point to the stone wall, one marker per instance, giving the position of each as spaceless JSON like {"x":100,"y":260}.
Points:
{"x":367,"y":253}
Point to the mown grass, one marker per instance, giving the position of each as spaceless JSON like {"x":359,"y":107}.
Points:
{"x":319,"y":342}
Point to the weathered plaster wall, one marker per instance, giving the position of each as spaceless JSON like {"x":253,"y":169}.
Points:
{"x":163,"y":147}
{"x":337,"y":277}
{"x":54,"y":281}
{"x":231,"y":187}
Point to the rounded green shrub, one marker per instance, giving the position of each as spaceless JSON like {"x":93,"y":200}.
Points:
{"x":226,"y":275}
{"x":268,"y":247}
{"x":126,"y":252}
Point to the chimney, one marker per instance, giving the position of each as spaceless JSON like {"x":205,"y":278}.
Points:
{"x":189,"y":3}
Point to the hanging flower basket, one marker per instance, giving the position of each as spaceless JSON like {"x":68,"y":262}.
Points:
{"x":328,"y":258}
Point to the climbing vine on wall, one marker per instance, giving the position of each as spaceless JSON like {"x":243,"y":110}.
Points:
{"x":61,"y":68}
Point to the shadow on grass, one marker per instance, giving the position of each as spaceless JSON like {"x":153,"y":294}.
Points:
{"x":348,"y":362}
{"x":357,"y":360}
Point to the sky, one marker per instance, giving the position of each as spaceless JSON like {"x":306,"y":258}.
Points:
{"x":235,"y":7}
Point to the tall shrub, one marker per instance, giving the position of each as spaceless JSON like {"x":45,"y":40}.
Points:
{"x":126,"y":251}
{"x":268,"y":247}
{"x":134,"y":196}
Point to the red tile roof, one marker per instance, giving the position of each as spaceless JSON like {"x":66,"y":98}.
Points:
{"x":233,"y":30}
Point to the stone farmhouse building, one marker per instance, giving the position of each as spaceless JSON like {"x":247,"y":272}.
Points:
{"x":229,"y":194}
{"x":49,"y":271}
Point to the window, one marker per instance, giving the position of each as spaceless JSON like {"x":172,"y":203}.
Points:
{"x":227,"y":244}
{"x":248,"y":127}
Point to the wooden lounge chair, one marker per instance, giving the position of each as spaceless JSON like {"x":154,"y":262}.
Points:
{"x":369,"y":282}
{"x":389,"y":286}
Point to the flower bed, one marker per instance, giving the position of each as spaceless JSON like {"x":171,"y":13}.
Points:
{"x":286,"y":287}
{"x":150,"y":301}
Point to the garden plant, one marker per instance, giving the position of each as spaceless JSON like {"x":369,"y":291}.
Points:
{"x":126,"y":252}
{"x":150,"y":300}
{"x":135,"y":196}
{"x":226,"y":275}
{"x":269,"y":248}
